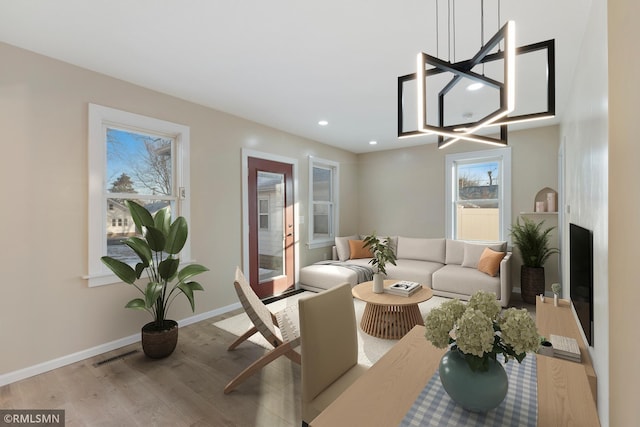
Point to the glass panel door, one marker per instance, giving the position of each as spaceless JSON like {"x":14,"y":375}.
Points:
{"x":271,"y":227}
{"x":271,"y":235}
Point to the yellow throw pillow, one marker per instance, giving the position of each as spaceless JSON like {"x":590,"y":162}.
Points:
{"x":357,"y":249}
{"x":489,"y":262}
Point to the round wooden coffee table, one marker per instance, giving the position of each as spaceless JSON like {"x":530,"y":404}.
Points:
{"x":389,"y":316}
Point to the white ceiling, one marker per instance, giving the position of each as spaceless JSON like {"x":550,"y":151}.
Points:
{"x":285,"y":63}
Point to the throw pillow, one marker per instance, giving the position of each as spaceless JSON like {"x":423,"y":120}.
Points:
{"x":342,"y":246}
{"x":490,"y":261}
{"x":472,"y":252}
{"x":357,"y":250}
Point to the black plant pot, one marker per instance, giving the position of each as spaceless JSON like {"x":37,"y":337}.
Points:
{"x":531,"y":283}
{"x":159,"y":343}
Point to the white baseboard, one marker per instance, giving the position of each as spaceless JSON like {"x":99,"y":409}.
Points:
{"x":50,"y":365}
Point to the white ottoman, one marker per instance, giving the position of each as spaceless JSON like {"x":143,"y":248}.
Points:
{"x":322,"y":277}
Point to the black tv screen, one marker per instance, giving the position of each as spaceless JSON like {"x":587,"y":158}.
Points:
{"x":581,"y":276}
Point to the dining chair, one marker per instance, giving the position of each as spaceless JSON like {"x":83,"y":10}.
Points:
{"x":265,"y":322}
{"x":329,"y":347}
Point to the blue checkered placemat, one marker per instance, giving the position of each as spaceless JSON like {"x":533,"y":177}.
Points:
{"x":434,"y":407}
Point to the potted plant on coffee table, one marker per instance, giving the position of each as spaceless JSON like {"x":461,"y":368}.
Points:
{"x":382,"y":254}
{"x":157,"y":249}
{"x":533,"y":243}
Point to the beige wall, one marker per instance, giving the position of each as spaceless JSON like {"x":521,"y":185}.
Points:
{"x":46,"y":309}
{"x":624,"y":212}
{"x":401,"y":192}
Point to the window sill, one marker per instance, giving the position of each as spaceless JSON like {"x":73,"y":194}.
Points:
{"x":108,"y":278}
{"x":320,"y":244}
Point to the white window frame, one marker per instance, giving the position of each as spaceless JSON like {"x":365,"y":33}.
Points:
{"x":313,"y":242}
{"x":501,"y":154}
{"x":100,"y":118}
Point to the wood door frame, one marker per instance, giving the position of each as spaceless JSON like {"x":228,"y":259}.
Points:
{"x":246,"y":153}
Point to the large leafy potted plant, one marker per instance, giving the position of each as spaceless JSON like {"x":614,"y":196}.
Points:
{"x":158,"y":247}
{"x":533,"y":243}
{"x":382,"y":254}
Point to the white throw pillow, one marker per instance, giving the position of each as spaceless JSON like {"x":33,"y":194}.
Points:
{"x":454,"y":252}
{"x":473,"y":251}
{"x":342,"y":246}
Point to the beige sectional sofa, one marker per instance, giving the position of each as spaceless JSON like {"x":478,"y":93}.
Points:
{"x":449,"y":267}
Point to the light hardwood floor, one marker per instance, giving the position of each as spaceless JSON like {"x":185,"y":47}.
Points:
{"x":185,"y":389}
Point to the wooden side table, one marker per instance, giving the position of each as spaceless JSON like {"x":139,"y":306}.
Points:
{"x":389,"y":316}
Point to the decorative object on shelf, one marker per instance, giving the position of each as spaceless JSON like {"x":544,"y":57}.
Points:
{"x":556,"y":288}
{"x":546,"y":348}
{"x":541,"y":297}
{"x":382,"y":254}
{"x":477,"y":333}
{"x":157,"y":250}
{"x":547,"y":197}
{"x":552,"y":202}
{"x":533,"y":244}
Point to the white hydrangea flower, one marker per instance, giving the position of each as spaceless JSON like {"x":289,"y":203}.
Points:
{"x":474,"y":333}
{"x":487,"y":303}
{"x":519,"y":331}
{"x":440,"y":321}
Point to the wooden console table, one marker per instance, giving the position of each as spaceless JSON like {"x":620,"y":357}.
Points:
{"x":561,"y":321}
{"x":384,"y":394}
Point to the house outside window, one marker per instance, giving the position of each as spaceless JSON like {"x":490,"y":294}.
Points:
{"x":478,"y":195}
{"x":263,"y":213}
{"x":132,"y":158}
{"x":323,"y":202}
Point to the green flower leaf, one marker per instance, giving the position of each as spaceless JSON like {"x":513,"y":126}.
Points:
{"x":120,"y":269}
{"x":177,"y":236}
{"x":136,"y":304}
{"x":141,"y":216}
{"x":168,"y":267}
{"x":190,"y":271}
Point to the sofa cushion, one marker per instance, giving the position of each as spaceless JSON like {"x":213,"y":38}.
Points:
{"x":454,"y":251}
{"x":342,"y":246}
{"x":326,"y":276}
{"x":473,"y":251}
{"x":413,"y":270}
{"x":358,"y":250}
{"x":465,"y":281}
{"x":421,"y":249}
{"x":489,"y":262}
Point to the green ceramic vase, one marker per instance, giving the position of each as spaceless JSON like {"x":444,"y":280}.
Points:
{"x":473,"y":390}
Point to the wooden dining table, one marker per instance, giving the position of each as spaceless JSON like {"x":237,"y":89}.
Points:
{"x":385,"y":393}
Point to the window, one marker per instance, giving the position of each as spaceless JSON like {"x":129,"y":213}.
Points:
{"x":137,"y":158}
{"x":323,"y":202}
{"x":478,"y":196}
{"x":263,"y":213}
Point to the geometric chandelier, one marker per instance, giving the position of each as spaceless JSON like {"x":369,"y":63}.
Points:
{"x":428,"y":66}
{"x":506,"y":88}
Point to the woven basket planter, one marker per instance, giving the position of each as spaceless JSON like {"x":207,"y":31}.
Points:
{"x":159,"y":343}
{"x":531,"y":283}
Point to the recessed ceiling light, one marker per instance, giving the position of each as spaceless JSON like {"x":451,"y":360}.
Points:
{"x":475,"y":86}
{"x":323,"y":122}
{"x":373,"y":142}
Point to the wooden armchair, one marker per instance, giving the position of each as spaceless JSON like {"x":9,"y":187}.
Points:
{"x":265,"y":322}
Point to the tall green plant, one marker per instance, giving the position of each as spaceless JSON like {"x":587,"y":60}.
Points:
{"x":157,"y":250}
{"x":532,"y":241}
{"x":381,"y":251}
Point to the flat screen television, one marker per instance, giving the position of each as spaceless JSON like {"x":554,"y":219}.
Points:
{"x":581,"y":276}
